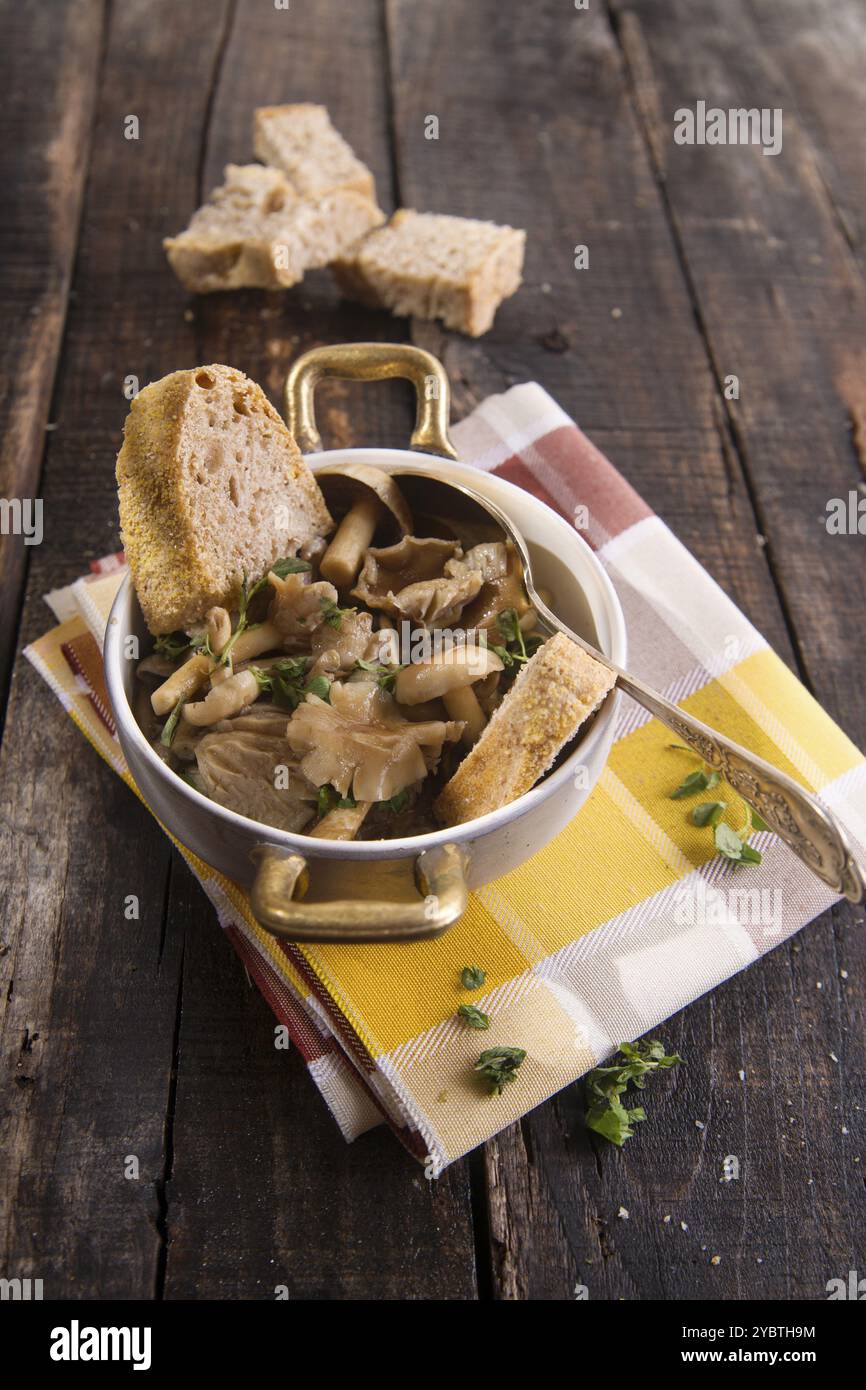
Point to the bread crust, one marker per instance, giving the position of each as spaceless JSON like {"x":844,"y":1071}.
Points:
{"x":434,"y":266}
{"x":557,"y":690}
{"x":211,"y":485}
{"x":256,"y":232}
{"x":301,"y":141}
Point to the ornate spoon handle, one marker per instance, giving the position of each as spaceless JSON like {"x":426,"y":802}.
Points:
{"x":794,"y":814}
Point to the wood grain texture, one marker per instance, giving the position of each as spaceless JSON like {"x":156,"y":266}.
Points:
{"x":49,"y":66}
{"x":144,"y":1037}
{"x":91,"y":997}
{"x":560,"y":124}
{"x":263,"y":1189}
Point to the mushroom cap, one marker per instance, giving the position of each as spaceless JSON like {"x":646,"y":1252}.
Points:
{"x":346,"y":484}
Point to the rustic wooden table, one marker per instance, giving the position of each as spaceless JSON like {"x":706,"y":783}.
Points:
{"x":146,"y":1038}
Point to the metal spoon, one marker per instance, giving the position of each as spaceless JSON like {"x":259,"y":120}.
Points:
{"x":792,"y":813}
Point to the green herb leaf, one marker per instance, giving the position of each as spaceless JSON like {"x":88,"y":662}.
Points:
{"x":169,"y":728}
{"x":385,"y":675}
{"x":758,"y":822}
{"x":508,"y":623}
{"x":200,"y":642}
{"x":728,"y":842}
{"x":750,"y":855}
{"x":329,"y":799}
{"x":472,"y":977}
{"x":612,"y":1121}
{"x":172,"y":644}
{"x":398,"y":801}
{"x":605,"y":1112}
{"x":319,"y":685}
{"x":473,"y":1016}
{"x":697,"y":781}
{"x":709,"y":812}
{"x":498,"y":1065}
{"x":290,"y":565}
{"x":334,"y":615}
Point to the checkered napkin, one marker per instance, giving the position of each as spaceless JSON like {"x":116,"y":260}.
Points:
{"x":625,"y":918}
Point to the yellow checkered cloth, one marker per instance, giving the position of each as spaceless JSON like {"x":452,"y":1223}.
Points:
{"x":625,"y":918}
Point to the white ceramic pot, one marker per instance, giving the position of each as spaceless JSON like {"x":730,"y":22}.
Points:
{"x":310,"y":889}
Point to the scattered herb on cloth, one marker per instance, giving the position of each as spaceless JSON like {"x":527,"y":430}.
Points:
{"x":498,"y":1066}
{"x":472,"y":977}
{"x":473,"y":1016}
{"x":731,"y":844}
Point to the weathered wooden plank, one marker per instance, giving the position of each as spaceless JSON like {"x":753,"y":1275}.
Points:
{"x":263,"y":1189}
{"x":819,"y":46}
{"x":264,"y":1193}
{"x":783,"y":308}
{"x":782,"y":304}
{"x":550,"y":141}
{"x":49,"y":64}
{"x":90,"y":998}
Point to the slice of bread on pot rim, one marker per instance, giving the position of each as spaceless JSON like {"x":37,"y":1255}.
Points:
{"x":212,"y":487}
{"x":315,"y":158}
{"x":557,"y":690}
{"x":435,"y":266}
{"x":255,"y":231}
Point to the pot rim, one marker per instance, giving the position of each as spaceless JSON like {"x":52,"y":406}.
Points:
{"x":360,"y":850}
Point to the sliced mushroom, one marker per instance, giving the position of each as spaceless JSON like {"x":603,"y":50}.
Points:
{"x":445,"y":672}
{"x":224,"y":700}
{"x":359,"y":745}
{"x":253,"y":772}
{"x":437,"y":602}
{"x":502,"y":591}
{"x":391,"y":569}
{"x":334,"y":650}
{"x":463,"y":704}
{"x":490,"y":558}
{"x":297,"y":608}
{"x":368,"y":497}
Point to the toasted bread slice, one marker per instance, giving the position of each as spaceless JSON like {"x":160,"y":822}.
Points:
{"x":436,"y":267}
{"x":212,"y":487}
{"x":255,"y":231}
{"x":558,"y":688}
{"x":301,"y":141}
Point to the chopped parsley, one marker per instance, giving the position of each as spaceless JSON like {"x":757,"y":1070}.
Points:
{"x":697,"y":781}
{"x":472,"y":1015}
{"x":498,"y":1066}
{"x":329,"y":799}
{"x":334,"y":614}
{"x":472,"y":977}
{"x":285,"y":682}
{"x":172,"y":644}
{"x":731,"y":844}
{"x":605,"y":1113}
{"x":385,"y":675}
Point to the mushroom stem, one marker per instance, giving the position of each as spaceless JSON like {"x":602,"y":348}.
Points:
{"x":463,"y":704}
{"x":452,"y":670}
{"x":343,"y":823}
{"x":342,"y":560}
{"x":182,"y":683}
{"x":224,"y":700}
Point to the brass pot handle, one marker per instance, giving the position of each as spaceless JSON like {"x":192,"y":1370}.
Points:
{"x":282,"y":879}
{"x":372,"y":362}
